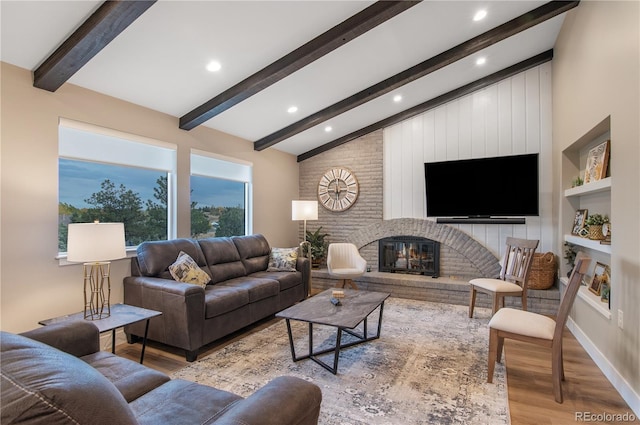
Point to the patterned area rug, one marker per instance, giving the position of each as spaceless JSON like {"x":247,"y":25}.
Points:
{"x":428,"y":367}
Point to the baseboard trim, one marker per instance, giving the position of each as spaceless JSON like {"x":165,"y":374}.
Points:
{"x":629,"y":395}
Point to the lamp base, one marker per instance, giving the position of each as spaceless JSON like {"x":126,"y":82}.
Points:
{"x":96,"y":277}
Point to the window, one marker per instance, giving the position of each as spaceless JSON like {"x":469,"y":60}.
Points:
{"x":220,"y":196}
{"x":111,"y":176}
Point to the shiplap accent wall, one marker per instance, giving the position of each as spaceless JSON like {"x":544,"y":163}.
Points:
{"x":509,"y":118}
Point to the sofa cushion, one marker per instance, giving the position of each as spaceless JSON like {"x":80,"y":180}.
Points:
{"x":220,"y":299}
{"x":154,"y":258}
{"x":186,"y":270}
{"x":254,"y":251}
{"x":130,"y":378}
{"x":286,"y":280}
{"x":182,"y":402}
{"x":283,"y":260}
{"x":40,"y":385}
{"x":257,"y":288}
{"x":223,"y":259}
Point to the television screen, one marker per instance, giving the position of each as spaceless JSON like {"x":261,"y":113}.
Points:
{"x":485,"y":187}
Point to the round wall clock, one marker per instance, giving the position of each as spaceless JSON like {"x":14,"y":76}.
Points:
{"x":338,"y":189}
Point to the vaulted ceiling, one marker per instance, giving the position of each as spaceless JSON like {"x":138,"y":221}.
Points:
{"x":349,"y":67}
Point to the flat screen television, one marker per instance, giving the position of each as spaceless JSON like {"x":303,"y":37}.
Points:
{"x":504,"y":186}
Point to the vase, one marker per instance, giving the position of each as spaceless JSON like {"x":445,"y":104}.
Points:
{"x":595,"y":232}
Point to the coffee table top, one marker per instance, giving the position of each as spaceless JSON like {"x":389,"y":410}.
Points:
{"x":121,"y":315}
{"x":356,"y":306}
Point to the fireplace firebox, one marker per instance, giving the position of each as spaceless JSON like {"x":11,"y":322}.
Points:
{"x":409,"y":254}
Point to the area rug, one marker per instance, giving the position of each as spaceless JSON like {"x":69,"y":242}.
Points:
{"x":429,"y":366}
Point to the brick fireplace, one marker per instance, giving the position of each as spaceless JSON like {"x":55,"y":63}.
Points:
{"x":460,"y":256}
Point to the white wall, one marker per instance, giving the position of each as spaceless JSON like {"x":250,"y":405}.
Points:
{"x":508,"y":118}
{"x":33,"y":286}
{"x":596,"y":71}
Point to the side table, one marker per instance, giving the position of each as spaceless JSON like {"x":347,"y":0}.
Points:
{"x":121,"y":315}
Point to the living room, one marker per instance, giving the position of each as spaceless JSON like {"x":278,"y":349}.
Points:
{"x":593,"y":75}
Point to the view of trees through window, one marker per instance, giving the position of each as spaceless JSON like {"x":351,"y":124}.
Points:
{"x":217,"y":207}
{"x":137,"y":197}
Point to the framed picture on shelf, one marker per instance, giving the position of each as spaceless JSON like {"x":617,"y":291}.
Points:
{"x":600,"y":278}
{"x":578,"y":221}
{"x":597,"y":161}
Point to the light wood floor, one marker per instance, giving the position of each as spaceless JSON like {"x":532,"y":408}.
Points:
{"x":531,"y":399}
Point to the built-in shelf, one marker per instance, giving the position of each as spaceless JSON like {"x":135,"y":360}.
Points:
{"x":588,"y":243}
{"x":590,"y":298}
{"x":589,"y":188}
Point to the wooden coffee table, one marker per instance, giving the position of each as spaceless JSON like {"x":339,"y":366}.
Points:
{"x":355,"y":309}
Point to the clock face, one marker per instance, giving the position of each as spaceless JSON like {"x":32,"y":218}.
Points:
{"x":338,"y":189}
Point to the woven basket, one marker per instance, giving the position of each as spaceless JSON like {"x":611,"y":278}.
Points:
{"x":543,"y":271}
{"x":595,"y":232}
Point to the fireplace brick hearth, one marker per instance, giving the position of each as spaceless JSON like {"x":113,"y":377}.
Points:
{"x":461,"y":259}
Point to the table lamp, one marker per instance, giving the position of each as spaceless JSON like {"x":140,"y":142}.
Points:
{"x":95,"y":245}
{"x":304,"y":210}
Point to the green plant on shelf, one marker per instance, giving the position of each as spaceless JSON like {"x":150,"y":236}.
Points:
{"x":596,"y":220}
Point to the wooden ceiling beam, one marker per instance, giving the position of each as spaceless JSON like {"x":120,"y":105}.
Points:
{"x":109,"y":20}
{"x":433,"y":103}
{"x":330,"y":40}
{"x":471,"y":46}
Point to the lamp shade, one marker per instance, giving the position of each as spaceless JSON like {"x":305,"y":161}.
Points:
{"x":95,"y":242}
{"x":304,"y":210}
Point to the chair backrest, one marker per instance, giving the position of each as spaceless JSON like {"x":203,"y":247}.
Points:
{"x":517,"y":261}
{"x":582,"y":263}
{"x":342,"y":255}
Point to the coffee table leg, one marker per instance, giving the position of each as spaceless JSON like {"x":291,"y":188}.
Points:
{"x":113,"y":341}
{"x":144,"y":341}
{"x":293,"y":350}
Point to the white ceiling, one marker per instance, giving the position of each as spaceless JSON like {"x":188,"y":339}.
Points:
{"x":159,"y":60}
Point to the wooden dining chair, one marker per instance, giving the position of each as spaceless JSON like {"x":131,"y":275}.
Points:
{"x":513,"y":276}
{"x":537,"y":329}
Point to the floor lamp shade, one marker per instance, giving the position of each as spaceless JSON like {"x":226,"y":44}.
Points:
{"x":95,"y":245}
{"x":304,"y":210}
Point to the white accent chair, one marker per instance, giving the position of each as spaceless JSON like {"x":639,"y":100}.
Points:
{"x":344,"y":262}
{"x":512,"y":282}
{"x":537,"y":329}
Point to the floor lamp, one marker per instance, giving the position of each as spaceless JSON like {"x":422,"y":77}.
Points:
{"x":95,"y":245}
{"x":304,"y":210}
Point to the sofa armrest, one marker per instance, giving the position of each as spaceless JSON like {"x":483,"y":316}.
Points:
{"x":286,"y":400}
{"x":78,"y":337}
{"x":303,"y":264}
{"x":182,"y":306}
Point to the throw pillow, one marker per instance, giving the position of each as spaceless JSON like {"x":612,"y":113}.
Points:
{"x":283,"y":260}
{"x":186,"y":270}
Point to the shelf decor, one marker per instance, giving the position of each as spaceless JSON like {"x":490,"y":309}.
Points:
{"x":597,"y":161}
{"x":578,"y":221}
{"x":600,"y":278}
{"x":594,"y":226}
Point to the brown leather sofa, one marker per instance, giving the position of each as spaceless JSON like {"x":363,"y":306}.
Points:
{"x":240,"y":293}
{"x":57,"y":375}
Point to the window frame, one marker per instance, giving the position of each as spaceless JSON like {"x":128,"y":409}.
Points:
{"x":131,"y":150}
{"x":207,"y":164}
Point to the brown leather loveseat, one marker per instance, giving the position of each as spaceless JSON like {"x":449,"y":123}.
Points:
{"x":241,"y":290}
{"x":58,"y":375}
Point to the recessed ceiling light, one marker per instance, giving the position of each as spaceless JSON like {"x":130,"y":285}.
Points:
{"x":328,"y":128}
{"x":480,"y":15}
{"x":292,"y":109}
{"x":481,"y":61}
{"x":397,"y":98}
{"x":214,"y":66}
